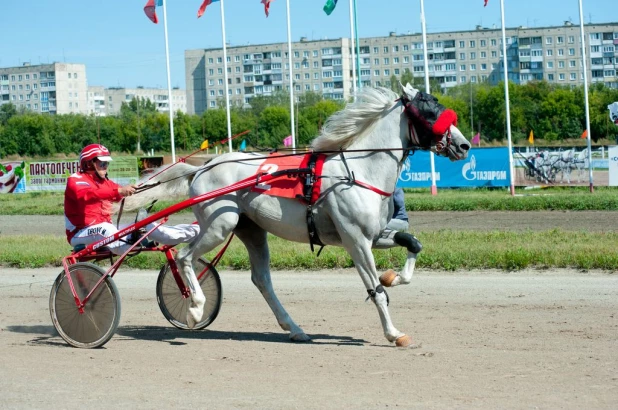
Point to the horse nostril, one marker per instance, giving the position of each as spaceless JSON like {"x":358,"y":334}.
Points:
{"x":465,"y":147}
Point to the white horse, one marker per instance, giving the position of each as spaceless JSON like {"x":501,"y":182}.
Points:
{"x":582,"y":163}
{"x":374,"y":133}
{"x":564,"y":162}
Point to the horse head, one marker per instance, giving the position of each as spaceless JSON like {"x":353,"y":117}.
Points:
{"x":432,"y":126}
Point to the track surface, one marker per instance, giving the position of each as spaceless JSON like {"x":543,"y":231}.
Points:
{"x":491,"y":340}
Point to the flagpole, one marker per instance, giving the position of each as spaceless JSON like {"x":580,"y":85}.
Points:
{"x":588,"y":137}
{"x":227,"y":95}
{"x":360,"y":84}
{"x":352,"y":36}
{"x":506,"y":99}
{"x":434,"y":188}
{"x":169,"y":83}
{"x":287,"y":3}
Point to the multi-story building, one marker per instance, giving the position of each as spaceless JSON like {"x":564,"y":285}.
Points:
{"x":552,"y":54}
{"x":57,"y":88}
{"x":113,"y":98}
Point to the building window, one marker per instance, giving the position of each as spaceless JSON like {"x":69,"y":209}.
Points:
{"x":550,"y":77}
{"x":472,"y":67}
{"x":549,"y":40}
{"x":560,"y":51}
{"x":462,"y":56}
{"x":571,"y":51}
{"x":386,"y":49}
{"x":386,"y":60}
{"x":472,"y":43}
{"x":560,"y":40}
{"x":462,"y":67}
{"x":376,"y":50}
{"x":472,"y":56}
{"x":483,"y":54}
{"x":395,"y":60}
{"x":219,"y":60}
{"x":561,"y":77}
{"x":20,"y":77}
{"x":210,"y":60}
{"x":406,"y":60}
{"x":573,"y":76}
{"x":462,"y":44}
{"x":483,"y":43}
{"x":462,"y":79}
{"x":571,"y":39}
{"x":494,"y":54}
{"x":212,"y":93}
{"x":550,"y":64}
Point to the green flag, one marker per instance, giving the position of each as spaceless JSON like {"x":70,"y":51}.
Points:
{"x":330,"y":6}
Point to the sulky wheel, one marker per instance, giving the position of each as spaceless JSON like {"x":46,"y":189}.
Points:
{"x":175,"y":307}
{"x":99,"y":320}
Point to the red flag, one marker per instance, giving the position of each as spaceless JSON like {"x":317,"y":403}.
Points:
{"x":266,"y":4}
{"x":485,"y":3}
{"x":585,"y":134}
{"x":202,"y":9}
{"x":149,"y":9}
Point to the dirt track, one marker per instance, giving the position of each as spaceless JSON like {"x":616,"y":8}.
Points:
{"x":495,"y":340}
{"x":490,"y":340}
{"x":419,"y":221}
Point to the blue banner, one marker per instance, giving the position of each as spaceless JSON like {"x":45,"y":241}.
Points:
{"x":484,"y":167}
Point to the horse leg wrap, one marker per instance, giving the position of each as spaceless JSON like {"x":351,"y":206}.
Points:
{"x":409,"y":241}
{"x":379,"y":289}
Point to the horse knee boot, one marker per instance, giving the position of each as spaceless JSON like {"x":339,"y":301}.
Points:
{"x":409,"y":241}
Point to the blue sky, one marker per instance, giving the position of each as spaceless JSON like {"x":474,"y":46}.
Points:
{"x":121,"y":47}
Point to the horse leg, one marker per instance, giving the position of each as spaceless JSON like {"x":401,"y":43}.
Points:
{"x":389,"y":239}
{"x":254,"y":239}
{"x":207,"y":240}
{"x":365,"y":265}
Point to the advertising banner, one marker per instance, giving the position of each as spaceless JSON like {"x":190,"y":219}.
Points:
{"x":52,"y":175}
{"x":484,"y":167}
{"x":612,"y":152}
{"x":12,"y":177}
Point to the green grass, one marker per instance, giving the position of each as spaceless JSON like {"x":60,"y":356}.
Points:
{"x":445,"y":249}
{"x":571,"y":198}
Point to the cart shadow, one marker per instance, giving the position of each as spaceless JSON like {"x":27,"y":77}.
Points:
{"x":178,"y":337}
{"x":48,"y":336}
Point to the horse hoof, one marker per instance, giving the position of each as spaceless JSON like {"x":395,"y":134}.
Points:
{"x":387,"y":278}
{"x":406,"y":341}
{"x":300,"y":337}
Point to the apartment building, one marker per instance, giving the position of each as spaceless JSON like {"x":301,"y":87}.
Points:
{"x":56,"y":88}
{"x":552,"y":54}
{"x":107,"y":101}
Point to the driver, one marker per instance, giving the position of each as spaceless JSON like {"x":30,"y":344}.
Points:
{"x":88,"y":201}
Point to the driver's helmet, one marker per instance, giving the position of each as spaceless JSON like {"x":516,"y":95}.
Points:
{"x":91,"y":152}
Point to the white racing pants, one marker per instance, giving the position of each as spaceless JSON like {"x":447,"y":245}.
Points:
{"x":164,"y":234}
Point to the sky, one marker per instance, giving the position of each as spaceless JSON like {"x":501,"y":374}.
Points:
{"x":121,"y":47}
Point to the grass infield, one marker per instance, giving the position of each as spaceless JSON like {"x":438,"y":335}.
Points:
{"x":445,"y":249}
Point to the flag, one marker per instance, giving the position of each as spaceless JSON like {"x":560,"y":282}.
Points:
{"x":531,"y":137}
{"x":476,"y":139}
{"x":330,"y":6}
{"x":613,"y":112}
{"x":485,"y":5}
{"x":202,"y":9}
{"x":584,"y":134}
{"x":149,"y":9}
{"x":204,"y":145}
{"x":266,"y":4}
{"x":287,"y":141}
{"x":243,"y":145}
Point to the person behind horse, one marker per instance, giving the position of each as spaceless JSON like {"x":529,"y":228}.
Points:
{"x":398,"y":224}
{"x":88,"y":201}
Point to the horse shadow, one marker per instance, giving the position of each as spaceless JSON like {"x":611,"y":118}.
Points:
{"x":48,"y":336}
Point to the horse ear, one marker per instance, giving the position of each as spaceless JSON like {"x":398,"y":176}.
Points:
{"x":408,"y":90}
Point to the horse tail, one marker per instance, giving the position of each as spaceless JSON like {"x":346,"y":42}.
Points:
{"x":171,"y":184}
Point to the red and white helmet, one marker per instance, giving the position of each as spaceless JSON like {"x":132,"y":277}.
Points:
{"x":93,"y":151}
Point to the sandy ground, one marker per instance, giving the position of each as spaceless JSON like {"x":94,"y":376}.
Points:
{"x":419,"y":221}
{"x":490,"y":340}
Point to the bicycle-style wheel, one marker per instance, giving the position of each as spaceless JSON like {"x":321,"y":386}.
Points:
{"x":98,"y":323}
{"x":175,"y":307}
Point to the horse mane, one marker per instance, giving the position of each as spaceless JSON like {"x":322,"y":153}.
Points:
{"x":351,"y":123}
